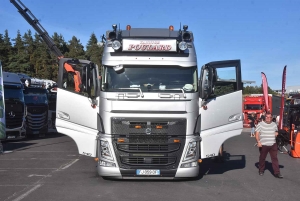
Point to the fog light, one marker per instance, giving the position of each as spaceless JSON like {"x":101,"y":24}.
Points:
{"x":188,"y":165}
{"x":116,"y":45}
{"x":106,"y":164}
{"x":182,"y":45}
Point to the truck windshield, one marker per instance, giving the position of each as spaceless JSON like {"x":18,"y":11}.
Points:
{"x":253,"y":107}
{"x":13,"y":94}
{"x":150,"y":78}
{"x":35,"y":96}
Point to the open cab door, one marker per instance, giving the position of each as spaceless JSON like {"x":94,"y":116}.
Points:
{"x":220,"y":104}
{"x":78,"y":103}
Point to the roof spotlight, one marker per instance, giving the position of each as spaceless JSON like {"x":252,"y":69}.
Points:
{"x":182,"y":45}
{"x":116,"y":45}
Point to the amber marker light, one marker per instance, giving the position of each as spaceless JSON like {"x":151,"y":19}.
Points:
{"x":159,"y":127}
{"x":128,"y":27}
{"x":96,"y":159}
{"x":176,"y":140}
{"x":199,"y":160}
{"x":120,"y":140}
{"x":138,"y":127}
{"x":171,"y":28}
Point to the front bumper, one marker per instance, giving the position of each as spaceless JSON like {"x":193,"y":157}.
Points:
{"x":115,"y":173}
{"x":15,"y":134}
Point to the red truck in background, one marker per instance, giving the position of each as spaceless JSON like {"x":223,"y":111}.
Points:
{"x":255,"y":103}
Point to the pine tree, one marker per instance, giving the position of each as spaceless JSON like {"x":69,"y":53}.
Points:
{"x":94,"y":50}
{"x":17,"y":60}
{"x":62,"y":46}
{"x":41,"y":58}
{"x":60,"y":43}
{"x":29,"y":50}
{"x":5,"y":50}
{"x":75,"y":49}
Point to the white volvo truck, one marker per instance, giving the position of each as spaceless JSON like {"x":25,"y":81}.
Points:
{"x":148,"y":114}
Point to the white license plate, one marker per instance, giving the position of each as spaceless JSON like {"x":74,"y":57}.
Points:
{"x":11,"y":137}
{"x":147,"y":172}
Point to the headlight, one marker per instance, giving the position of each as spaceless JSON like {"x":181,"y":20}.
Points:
{"x":182,"y":45}
{"x":191,"y":151}
{"x":105,"y":151}
{"x":116,"y":45}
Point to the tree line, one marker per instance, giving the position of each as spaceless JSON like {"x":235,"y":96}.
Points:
{"x":28,"y":53}
{"x":257,"y":90}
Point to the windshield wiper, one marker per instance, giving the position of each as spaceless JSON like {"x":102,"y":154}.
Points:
{"x":137,"y":88}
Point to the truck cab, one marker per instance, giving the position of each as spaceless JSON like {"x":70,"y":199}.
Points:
{"x":15,"y":106}
{"x":148,"y":114}
{"x":36,"y":100}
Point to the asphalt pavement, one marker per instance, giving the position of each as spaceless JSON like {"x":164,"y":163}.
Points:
{"x":50,"y":168}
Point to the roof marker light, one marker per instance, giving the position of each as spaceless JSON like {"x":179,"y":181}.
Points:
{"x":171,"y":28}
{"x":128,"y":27}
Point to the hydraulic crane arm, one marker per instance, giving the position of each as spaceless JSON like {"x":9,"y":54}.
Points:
{"x":34,"y":22}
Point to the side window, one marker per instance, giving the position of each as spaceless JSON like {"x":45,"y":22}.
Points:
{"x":225,"y":81}
{"x":68,"y":81}
{"x":74,"y":80}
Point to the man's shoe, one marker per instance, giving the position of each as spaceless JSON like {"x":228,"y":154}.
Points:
{"x":261,"y":173}
{"x":278,"y":176}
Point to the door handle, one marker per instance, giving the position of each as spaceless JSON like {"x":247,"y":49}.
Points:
{"x":63,"y":115}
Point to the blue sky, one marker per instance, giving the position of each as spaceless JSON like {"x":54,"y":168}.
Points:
{"x":263,"y":34}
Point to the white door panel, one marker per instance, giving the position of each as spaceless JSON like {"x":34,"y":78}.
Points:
{"x":221,"y":112}
{"x":220,"y":109}
{"x":220,"y":121}
{"x":76,"y":118}
{"x":85,"y":138}
{"x":212,"y":139}
{"x":76,"y":108}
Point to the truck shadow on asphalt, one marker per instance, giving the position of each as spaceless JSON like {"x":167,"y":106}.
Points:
{"x":217,"y":165}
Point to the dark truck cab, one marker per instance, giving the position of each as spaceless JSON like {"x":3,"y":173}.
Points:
{"x":15,"y":106}
{"x":35,"y":96}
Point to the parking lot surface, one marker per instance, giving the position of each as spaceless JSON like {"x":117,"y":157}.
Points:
{"x":50,"y":168}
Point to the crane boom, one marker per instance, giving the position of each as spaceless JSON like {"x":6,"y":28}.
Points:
{"x":34,"y":22}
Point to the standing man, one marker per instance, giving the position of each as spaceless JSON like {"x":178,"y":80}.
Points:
{"x":265,"y":134}
{"x":252,"y":120}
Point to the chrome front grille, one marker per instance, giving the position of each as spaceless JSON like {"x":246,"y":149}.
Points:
{"x":148,"y":142}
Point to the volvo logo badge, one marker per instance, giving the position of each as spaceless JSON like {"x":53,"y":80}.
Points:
{"x":11,"y":114}
{"x":148,"y":131}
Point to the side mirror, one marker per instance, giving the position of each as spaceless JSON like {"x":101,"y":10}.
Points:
{"x":206,"y":82}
